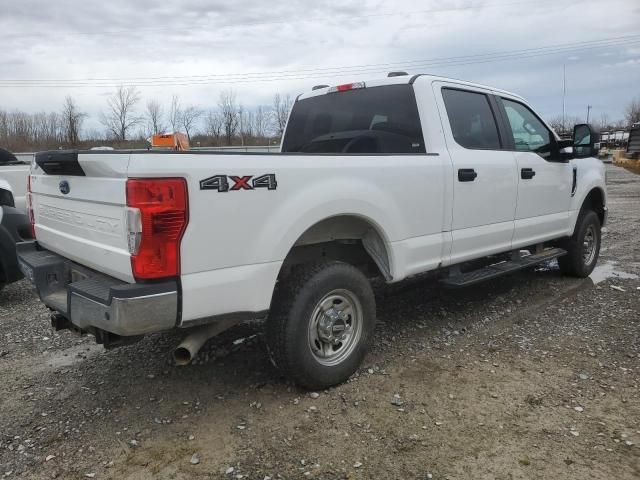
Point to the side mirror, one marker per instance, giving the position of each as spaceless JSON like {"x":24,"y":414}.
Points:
{"x":586,"y":141}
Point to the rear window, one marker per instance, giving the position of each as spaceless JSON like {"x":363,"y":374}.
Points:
{"x":367,"y":121}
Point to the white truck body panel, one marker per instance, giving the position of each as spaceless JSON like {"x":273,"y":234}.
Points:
{"x":310,"y":189}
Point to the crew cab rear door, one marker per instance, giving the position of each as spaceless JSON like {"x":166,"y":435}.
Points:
{"x":484,"y":175}
{"x":79,"y":207}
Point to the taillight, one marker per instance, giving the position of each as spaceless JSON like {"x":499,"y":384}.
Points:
{"x":156,"y":218}
{"x":346,"y":87}
{"x":32,"y":220}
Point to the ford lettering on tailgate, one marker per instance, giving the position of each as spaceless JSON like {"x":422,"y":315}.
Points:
{"x":100,"y":224}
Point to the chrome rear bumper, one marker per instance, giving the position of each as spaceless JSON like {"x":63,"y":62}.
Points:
{"x":91,"y":300}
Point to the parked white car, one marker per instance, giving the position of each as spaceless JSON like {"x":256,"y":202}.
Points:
{"x":14,"y":224}
{"x":387,"y":178}
{"x":14,"y":169}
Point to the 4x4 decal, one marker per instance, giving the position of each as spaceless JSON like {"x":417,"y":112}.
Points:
{"x":221,"y":183}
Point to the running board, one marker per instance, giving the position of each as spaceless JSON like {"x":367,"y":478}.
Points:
{"x":456,"y":280}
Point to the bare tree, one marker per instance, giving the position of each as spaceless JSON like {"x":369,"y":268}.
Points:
{"x":604,"y":123}
{"x":213,"y":125}
{"x":557,"y":124}
{"x":72,"y":120}
{"x":229,"y":112}
{"x":632,"y":112}
{"x":26,"y":131}
{"x":120,"y":117}
{"x":175,"y":113}
{"x":154,"y":114}
{"x":260,"y":122}
{"x":188,"y":118}
{"x":563,"y":127}
{"x":281,"y":107}
{"x":245,"y":124}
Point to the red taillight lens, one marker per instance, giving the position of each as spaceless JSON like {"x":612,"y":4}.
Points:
{"x":162,"y":203}
{"x":32,"y":219}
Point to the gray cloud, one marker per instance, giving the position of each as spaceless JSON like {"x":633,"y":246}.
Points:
{"x":119,"y":39}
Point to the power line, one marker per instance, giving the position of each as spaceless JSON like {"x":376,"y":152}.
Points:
{"x":326,"y":72}
{"x":348,"y":69}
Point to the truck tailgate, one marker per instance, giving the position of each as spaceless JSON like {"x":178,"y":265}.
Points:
{"x":83,"y":217}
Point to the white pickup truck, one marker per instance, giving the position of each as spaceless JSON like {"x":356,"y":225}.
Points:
{"x":14,"y":223}
{"x":387,"y":178}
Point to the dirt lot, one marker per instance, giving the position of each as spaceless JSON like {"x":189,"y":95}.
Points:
{"x":529,"y":376}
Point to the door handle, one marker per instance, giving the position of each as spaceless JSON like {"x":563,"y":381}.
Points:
{"x":466,"y":174}
{"x":527,"y":173}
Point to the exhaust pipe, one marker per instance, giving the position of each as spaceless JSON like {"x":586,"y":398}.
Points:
{"x":193,"y":342}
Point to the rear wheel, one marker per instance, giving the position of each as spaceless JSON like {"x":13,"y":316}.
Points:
{"x":320,"y":324}
{"x":583,"y":248}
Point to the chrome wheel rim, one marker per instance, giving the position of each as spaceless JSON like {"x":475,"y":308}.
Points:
{"x":589,"y":244}
{"x":335,"y":327}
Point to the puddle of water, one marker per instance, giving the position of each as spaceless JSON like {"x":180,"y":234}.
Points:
{"x":607,"y":270}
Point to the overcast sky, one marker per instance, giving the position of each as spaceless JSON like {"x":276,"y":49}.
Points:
{"x":196,"y":48}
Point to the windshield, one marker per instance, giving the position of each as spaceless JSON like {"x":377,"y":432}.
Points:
{"x":368,"y":121}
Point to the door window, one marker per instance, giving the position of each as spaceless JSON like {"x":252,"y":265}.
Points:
{"x":529,"y":133}
{"x":471,"y":118}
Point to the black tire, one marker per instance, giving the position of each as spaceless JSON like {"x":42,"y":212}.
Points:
{"x":294,"y":311}
{"x":577,"y":263}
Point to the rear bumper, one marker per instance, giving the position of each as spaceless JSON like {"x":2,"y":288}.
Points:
{"x":90,"y":300}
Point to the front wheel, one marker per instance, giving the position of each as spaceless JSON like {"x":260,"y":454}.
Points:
{"x":583,"y":248}
{"x":321,"y":322}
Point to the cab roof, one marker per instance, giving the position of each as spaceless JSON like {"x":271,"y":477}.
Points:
{"x":408,"y":79}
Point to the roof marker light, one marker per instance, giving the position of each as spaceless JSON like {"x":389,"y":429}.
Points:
{"x":347,"y":86}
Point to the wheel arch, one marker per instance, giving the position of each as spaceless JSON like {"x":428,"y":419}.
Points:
{"x":352,"y":238}
{"x":595,"y":200}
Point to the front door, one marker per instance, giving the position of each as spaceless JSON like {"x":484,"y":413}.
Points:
{"x":484,"y":175}
{"x":544,"y":183}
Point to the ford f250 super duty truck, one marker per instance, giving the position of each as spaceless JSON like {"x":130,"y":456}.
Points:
{"x":388,"y":178}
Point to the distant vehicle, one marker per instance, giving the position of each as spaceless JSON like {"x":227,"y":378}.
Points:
{"x":389,"y":178}
{"x":15,"y":172}
{"x":14,"y":227}
{"x":170,"y":141}
{"x":102,"y":148}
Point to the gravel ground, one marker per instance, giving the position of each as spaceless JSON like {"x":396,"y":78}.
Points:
{"x":528,"y":376}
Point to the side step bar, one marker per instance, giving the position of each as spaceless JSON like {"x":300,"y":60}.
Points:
{"x":457,"y":280}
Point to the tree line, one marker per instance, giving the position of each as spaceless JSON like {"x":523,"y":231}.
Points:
{"x":127,"y":121}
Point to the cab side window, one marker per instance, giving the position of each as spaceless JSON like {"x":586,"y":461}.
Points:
{"x":529,"y":133}
{"x":471,"y":118}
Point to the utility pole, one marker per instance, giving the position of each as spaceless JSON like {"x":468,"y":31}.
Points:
{"x":564,"y":93}
{"x":588,"y":110}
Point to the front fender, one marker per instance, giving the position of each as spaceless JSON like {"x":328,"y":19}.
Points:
{"x":590,"y":174}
